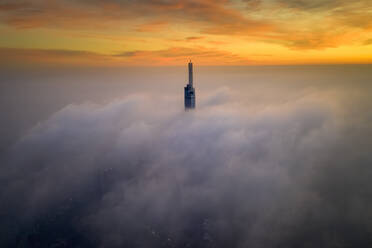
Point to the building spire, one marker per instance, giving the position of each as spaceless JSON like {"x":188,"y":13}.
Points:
{"x":190,"y":73}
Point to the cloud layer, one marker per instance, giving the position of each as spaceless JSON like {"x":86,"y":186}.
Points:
{"x":134,"y":174}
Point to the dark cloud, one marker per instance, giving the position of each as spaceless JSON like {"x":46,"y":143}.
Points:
{"x":312,"y":5}
{"x":127,"y":54}
{"x":44,"y":52}
{"x":321,"y":5}
{"x":11,"y":6}
{"x":124,"y":174}
{"x":192,"y":38}
{"x":26,"y":57}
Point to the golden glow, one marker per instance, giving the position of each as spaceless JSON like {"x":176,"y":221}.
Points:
{"x":211,"y":32}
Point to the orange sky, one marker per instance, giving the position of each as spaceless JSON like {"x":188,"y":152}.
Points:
{"x":169,"y":32}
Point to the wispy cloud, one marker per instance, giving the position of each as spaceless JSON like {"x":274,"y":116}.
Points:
{"x":153,"y":26}
{"x":171,"y":56}
{"x":367,"y":42}
{"x":192,"y":38}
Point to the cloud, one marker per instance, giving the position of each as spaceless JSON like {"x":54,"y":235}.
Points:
{"x":294,"y":24}
{"x":312,"y":5}
{"x":253,"y":4}
{"x":152,"y":26}
{"x":178,"y":55}
{"x":93,"y":14}
{"x":128,"y":174}
{"x":192,"y":38}
{"x":367,"y":42}
{"x":27,"y":57}
{"x":171,"y":56}
{"x":351,"y":13}
{"x":11,"y":6}
{"x":319,"y":39}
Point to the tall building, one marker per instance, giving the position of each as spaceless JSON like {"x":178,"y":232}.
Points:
{"x":190,"y":91}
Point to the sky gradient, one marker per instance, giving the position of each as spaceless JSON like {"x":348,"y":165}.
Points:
{"x":169,"y":32}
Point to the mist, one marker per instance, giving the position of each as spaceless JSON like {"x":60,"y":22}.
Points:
{"x":270,"y":157}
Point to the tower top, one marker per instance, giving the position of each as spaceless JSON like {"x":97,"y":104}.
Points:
{"x":190,"y":74}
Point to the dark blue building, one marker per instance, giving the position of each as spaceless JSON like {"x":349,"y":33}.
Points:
{"x":190,"y":91}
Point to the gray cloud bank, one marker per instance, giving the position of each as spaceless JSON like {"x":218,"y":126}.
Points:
{"x":128,"y":174}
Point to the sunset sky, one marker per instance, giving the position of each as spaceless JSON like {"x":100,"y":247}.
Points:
{"x":169,"y":32}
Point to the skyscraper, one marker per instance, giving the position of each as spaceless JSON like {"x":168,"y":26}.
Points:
{"x":190,"y":91}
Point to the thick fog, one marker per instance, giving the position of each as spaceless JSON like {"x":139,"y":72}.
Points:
{"x":270,"y":157}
